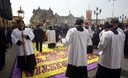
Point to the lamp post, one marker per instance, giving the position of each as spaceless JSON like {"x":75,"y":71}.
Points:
{"x":21,"y":17}
{"x":97,"y":12}
{"x":122,"y":17}
{"x":20,"y":13}
{"x":113,"y":7}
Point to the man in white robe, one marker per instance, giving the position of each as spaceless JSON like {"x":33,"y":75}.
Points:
{"x":51,"y":35}
{"x":77,"y":39}
{"x":106,"y":28}
{"x":112,"y":47}
{"x":26,"y":58}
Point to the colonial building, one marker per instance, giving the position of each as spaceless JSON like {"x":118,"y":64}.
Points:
{"x":43,"y":15}
{"x":5,"y":12}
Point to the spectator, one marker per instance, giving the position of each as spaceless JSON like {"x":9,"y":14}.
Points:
{"x":3,"y":47}
{"x":39,"y":37}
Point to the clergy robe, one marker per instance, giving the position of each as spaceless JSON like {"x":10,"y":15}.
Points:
{"x":30,"y":62}
{"x":90,"y":47}
{"x":51,"y":34}
{"x":77,"y":57}
{"x":110,"y":61}
{"x":90,"y":31}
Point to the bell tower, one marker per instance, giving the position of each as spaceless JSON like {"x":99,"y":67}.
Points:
{"x":89,"y":15}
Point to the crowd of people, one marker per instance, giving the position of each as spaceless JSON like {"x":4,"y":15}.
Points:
{"x":5,"y":41}
{"x":111,"y":39}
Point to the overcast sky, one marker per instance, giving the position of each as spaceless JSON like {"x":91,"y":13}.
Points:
{"x":76,"y":7}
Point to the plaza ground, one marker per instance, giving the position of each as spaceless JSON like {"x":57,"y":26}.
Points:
{"x":11,"y":55}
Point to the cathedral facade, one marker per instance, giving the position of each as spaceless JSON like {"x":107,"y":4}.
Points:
{"x":43,"y":15}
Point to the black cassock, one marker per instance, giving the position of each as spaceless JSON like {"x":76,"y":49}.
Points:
{"x":3,"y":42}
{"x":126,"y":44}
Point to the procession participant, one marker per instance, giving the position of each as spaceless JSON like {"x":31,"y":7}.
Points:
{"x":106,"y":28}
{"x":112,"y":46}
{"x":77,"y":39}
{"x":39,"y":37}
{"x":3,"y":47}
{"x":51,"y":34}
{"x":90,"y":47}
{"x":23,"y":37}
{"x":126,"y":40}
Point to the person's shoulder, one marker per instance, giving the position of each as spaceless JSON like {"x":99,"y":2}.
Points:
{"x":72,"y":29}
{"x":28,"y":28}
{"x":15,"y":29}
{"x":47,"y":30}
{"x":120,"y":30}
{"x":108,"y":34}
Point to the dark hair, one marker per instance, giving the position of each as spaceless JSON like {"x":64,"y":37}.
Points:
{"x":38,"y":26}
{"x":114,"y":21}
{"x":50,"y":27}
{"x":18,"y":21}
{"x":79,"y":21}
{"x":107,"y":25}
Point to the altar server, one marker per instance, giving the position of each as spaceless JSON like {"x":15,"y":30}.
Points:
{"x":26,"y":58}
{"x":77,"y":38}
{"x":112,"y":47}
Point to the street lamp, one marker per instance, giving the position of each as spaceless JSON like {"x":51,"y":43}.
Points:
{"x":122,"y":17}
{"x":113,"y":7}
{"x":97,"y":12}
{"x":20,"y":13}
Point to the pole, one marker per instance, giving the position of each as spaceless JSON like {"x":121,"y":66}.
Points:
{"x":113,"y":7}
{"x":96,"y":18}
{"x":97,"y":12}
{"x":20,"y":14}
{"x":122,"y":20}
{"x":23,"y":42}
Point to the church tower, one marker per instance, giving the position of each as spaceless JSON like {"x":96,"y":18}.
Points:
{"x":89,"y":15}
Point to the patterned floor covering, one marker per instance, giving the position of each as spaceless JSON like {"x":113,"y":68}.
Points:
{"x":51,"y":63}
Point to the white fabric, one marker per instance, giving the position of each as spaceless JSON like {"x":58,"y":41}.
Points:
{"x":77,"y":41}
{"x":120,"y":30}
{"x":16,"y":35}
{"x":112,"y":47}
{"x":90,"y":31}
{"x":100,"y":35}
{"x":51,"y":36}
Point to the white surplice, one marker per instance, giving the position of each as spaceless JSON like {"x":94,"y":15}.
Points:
{"x":78,"y":42}
{"x":51,"y":36}
{"x":112,"y":47}
{"x":16,"y":35}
